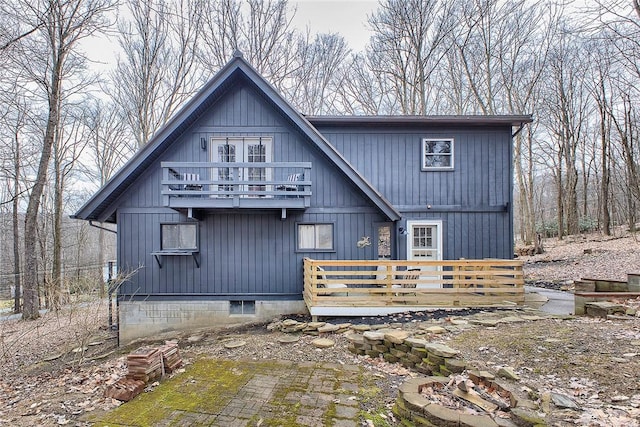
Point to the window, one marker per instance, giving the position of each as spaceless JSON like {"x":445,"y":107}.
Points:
{"x":179,"y":237}
{"x":315,"y":237}
{"x":437,"y":153}
{"x":242,"y":149}
{"x":242,"y":307}
{"x":384,"y":241}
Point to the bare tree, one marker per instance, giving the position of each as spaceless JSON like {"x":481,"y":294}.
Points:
{"x":261,"y":30}
{"x":110,"y":146}
{"x":67,"y":149}
{"x":600,"y":90}
{"x":48,"y":59}
{"x":618,"y":24}
{"x":157,"y":71}
{"x":13,"y":117}
{"x":568,"y":107}
{"x":409,"y":38}
{"x":523,"y":63}
{"x":364,"y":88}
{"x":317,"y":80}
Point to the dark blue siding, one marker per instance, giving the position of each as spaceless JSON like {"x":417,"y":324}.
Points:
{"x":253,"y":255}
{"x":248,"y":254}
{"x":468,"y":199}
{"x":242,"y":254}
{"x":390,"y":160}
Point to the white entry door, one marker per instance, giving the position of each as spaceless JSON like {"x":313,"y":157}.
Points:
{"x":242,"y":150}
{"x":424,"y":243}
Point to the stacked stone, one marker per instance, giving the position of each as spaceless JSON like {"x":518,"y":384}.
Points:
{"x":396,"y":346}
{"x":291,"y":326}
{"x":441,"y":360}
{"x":413,"y":405}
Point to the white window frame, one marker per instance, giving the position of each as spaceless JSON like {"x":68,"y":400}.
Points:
{"x":424,"y":152}
{"x":241,"y":155}
{"x":438,"y":224}
{"x":315,"y":247}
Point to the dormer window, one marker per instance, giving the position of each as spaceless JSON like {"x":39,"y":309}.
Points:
{"x":437,"y":154}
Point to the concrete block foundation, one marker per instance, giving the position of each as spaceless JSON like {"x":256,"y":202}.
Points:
{"x":140,"y":319}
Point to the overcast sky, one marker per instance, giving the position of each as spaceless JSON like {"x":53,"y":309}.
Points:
{"x":333,"y":16}
{"x":347,"y":17}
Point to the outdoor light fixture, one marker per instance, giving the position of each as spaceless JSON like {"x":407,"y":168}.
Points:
{"x":203,"y":143}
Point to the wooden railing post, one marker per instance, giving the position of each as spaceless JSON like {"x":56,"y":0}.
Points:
{"x":165,"y":187}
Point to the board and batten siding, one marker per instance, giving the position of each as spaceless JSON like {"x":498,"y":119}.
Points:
{"x":472,"y":200}
{"x":242,"y":255}
{"x":391,"y":161}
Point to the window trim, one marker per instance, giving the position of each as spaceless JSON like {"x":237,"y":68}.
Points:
{"x":197,"y":243}
{"x":250,"y":310}
{"x":424,"y":154}
{"x":314,"y":223}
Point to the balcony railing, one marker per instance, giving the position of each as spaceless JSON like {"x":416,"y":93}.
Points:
{"x":359,"y":288}
{"x":280,"y":185}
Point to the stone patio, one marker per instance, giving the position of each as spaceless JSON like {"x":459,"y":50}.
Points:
{"x":236,"y":393}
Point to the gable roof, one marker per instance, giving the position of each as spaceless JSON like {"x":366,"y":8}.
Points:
{"x":100,"y":206}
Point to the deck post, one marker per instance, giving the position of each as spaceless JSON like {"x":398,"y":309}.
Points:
{"x":165,"y":187}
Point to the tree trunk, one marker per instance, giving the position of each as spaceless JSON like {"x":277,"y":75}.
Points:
{"x":31,"y":304}
{"x":571,"y":199}
{"x":560,"y":208}
{"x":531,"y":224}
{"x":16,"y":229}
{"x":56,"y":279}
{"x":604,"y":185}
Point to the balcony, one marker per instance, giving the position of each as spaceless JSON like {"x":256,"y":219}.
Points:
{"x":251,"y":185}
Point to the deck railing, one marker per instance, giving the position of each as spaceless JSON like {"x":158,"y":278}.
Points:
{"x":330,"y":287}
{"x":236,"y":184}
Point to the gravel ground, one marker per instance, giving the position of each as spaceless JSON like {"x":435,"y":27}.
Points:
{"x":54,"y":370}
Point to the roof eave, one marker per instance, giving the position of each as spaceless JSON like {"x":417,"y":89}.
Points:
{"x":468,"y":120}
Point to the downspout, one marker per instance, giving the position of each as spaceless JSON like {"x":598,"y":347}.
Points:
{"x":101,"y":227}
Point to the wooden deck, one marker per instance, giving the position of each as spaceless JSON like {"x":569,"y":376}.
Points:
{"x":369,"y":288}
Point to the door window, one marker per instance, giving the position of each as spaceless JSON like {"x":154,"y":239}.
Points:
{"x":242,"y":150}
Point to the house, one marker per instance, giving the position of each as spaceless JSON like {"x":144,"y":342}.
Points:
{"x":217,"y":212}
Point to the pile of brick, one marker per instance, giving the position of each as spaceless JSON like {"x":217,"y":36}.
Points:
{"x":125,"y":389}
{"x":397,"y":346}
{"x":145,"y":365}
{"x":171,"y":359}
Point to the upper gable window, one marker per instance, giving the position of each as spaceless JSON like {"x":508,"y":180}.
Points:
{"x":437,"y":153}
